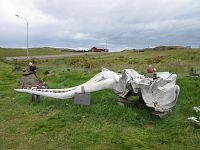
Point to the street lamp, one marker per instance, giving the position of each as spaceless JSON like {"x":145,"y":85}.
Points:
{"x":27,"y":53}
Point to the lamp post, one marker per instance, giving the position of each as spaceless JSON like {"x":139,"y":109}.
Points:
{"x":27,"y":53}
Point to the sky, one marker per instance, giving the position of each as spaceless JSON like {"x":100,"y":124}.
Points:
{"x":115,"y":24}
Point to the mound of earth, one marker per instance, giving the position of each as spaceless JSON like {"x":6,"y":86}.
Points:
{"x":29,"y":81}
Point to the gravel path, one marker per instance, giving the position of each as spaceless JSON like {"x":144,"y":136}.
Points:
{"x":50,"y":56}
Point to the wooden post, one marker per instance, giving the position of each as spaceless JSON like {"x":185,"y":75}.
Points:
{"x":35,"y":97}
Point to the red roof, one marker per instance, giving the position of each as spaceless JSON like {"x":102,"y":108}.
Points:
{"x":94,"y":49}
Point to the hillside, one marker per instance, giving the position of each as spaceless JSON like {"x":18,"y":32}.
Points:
{"x":55,"y":124}
{"x":5,"y":52}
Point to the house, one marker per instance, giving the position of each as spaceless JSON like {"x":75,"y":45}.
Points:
{"x":94,"y":49}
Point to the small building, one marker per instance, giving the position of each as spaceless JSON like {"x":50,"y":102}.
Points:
{"x":94,"y":49}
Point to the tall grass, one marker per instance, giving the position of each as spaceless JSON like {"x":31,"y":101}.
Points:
{"x":60,"y":124}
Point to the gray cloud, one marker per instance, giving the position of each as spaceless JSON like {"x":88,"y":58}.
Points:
{"x":87,"y":23}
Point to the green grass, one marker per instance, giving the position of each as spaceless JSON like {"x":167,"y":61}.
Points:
{"x":5,"y":52}
{"x":60,"y":124}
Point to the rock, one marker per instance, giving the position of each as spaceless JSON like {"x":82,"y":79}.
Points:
{"x":29,"y":81}
{"x":17,"y":68}
{"x":46,"y":72}
{"x":85,"y":69}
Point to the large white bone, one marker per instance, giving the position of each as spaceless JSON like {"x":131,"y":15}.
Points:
{"x":160,"y":94}
{"x":103,"y":80}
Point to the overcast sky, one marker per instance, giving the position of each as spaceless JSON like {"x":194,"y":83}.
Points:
{"x":85,"y":23}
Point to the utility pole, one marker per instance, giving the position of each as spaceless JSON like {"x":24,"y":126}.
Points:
{"x":27,"y":52}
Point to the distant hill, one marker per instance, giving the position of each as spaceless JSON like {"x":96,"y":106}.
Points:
{"x":169,"y":47}
{"x":5,"y":52}
{"x":160,"y":48}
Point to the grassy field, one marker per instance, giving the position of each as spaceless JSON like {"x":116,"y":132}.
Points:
{"x":5,"y":52}
{"x":60,"y":124}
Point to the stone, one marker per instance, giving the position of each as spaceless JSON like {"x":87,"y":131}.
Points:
{"x":29,"y":81}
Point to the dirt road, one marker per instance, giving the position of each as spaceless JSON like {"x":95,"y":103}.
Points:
{"x":51,"y":56}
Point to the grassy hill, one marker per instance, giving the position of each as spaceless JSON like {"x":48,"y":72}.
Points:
{"x":5,"y":52}
{"x":60,"y":124}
